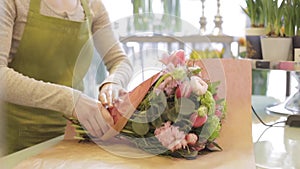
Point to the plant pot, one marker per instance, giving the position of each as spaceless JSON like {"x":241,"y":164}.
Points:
{"x":296,"y":46}
{"x":296,"y":42}
{"x":253,"y":42}
{"x":277,"y":48}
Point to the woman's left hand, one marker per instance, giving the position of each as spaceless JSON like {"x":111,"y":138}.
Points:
{"x":110,"y":94}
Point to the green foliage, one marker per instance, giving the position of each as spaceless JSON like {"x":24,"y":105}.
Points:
{"x":211,"y":128}
{"x":254,"y":10}
{"x":273,"y":13}
{"x":213,"y":87}
{"x":185,"y":106}
{"x":140,"y":128}
{"x":208,"y":100}
{"x":291,"y":16}
{"x":206,"y":53}
{"x":144,"y":17}
{"x":280,"y":18}
{"x":297,"y":15}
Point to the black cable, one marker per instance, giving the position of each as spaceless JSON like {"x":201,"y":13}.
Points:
{"x":261,"y":134}
{"x":265,"y":124}
{"x":268,"y":125}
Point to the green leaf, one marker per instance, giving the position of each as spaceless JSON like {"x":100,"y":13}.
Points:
{"x":216,"y":133}
{"x":157,"y":122}
{"x":185,"y":106}
{"x":254,"y":10}
{"x":213,"y":87}
{"x":140,"y":128}
{"x":172,"y":115}
{"x":152,"y":113}
{"x":211,"y":128}
{"x":214,"y":146}
{"x":127,"y":131}
{"x":151,"y":145}
{"x":189,"y":155}
{"x":183,"y":123}
{"x":140,"y":117}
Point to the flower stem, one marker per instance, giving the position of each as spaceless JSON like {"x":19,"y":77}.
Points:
{"x":160,"y":80}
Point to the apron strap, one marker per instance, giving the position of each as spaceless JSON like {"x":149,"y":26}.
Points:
{"x":86,"y":10}
{"x":35,"y":6}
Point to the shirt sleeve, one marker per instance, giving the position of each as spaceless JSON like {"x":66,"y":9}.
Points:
{"x":109,"y":47}
{"x":19,"y":89}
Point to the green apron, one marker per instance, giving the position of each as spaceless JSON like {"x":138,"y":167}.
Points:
{"x":48,"y":51}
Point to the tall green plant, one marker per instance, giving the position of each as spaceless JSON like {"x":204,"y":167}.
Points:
{"x":260,"y":16}
{"x":297,"y":15}
{"x":254,"y":10}
{"x":273,"y":17}
{"x":290,"y":17}
{"x":142,"y":11}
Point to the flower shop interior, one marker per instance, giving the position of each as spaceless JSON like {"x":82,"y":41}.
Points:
{"x":233,"y":33}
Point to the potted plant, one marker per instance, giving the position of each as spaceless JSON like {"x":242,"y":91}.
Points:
{"x":297,"y":15}
{"x":254,"y":11}
{"x":291,"y":22}
{"x":275,"y":45}
{"x":289,"y":17}
{"x":295,"y":6}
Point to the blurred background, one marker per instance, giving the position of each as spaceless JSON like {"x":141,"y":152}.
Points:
{"x":181,"y":18}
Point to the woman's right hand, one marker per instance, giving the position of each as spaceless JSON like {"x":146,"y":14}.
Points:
{"x":95,"y":118}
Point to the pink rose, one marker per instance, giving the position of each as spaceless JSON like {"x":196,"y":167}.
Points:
{"x":199,"y":86}
{"x":197,"y":120}
{"x":176,"y":58}
{"x":191,"y":138}
{"x":184,"y":90}
{"x":218,"y":113}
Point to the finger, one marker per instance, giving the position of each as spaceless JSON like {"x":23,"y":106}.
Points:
{"x":105,"y":115}
{"x":122,"y":92}
{"x":103,"y":99}
{"x":118,"y":94}
{"x":109,"y":98}
{"x":114,"y":94}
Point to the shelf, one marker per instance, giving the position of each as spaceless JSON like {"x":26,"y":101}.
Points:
{"x":192,"y":41}
{"x":154,"y":38}
{"x":275,"y":65}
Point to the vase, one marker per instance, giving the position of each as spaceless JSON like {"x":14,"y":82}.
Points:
{"x":253,"y":42}
{"x":276,"y":48}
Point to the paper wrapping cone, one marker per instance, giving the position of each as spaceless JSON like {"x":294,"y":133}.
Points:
{"x":126,"y":108}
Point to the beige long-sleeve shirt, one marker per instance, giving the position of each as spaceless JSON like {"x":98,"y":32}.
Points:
{"x":19,"y":89}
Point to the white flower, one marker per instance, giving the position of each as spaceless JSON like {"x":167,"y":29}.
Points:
{"x":199,"y":86}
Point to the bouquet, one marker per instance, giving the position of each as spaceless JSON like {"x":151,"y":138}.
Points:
{"x":175,"y":113}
